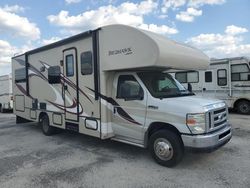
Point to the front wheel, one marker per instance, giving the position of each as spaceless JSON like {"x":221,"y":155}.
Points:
{"x":46,"y":128}
{"x":166,"y":148}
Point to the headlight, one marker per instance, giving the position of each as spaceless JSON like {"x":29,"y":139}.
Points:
{"x":196,"y":123}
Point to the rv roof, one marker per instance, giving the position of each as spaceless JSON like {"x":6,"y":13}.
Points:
{"x":226,"y":60}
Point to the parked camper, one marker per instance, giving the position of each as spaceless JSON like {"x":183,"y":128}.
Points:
{"x":226,"y":79}
{"x":110,"y":83}
{"x":6,"y":96}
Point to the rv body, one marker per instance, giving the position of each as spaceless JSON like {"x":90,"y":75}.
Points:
{"x":226,"y":79}
{"x":6,"y":96}
{"x":100,"y":83}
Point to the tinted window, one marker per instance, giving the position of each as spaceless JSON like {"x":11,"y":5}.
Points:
{"x":239,"y":68}
{"x":187,"y":77}
{"x":222,"y":77}
{"x":192,"y":77}
{"x":208,"y":76}
{"x":181,"y":77}
{"x":69,"y":65}
{"x":129,"y":88}
{"x":86,"y":63}
{"x":240,"y":72}
{"x":20,"y":75}
{"x":162,"y":85}
{"x":54,"y":74}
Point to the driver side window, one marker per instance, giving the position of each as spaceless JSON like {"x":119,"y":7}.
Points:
{"x":128,"y":88}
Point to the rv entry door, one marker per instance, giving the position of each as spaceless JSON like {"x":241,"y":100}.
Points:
{"x":70,"y":86}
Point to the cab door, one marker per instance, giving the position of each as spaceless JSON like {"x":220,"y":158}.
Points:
{"x":70,"y":86}
{"x":129,"y":110}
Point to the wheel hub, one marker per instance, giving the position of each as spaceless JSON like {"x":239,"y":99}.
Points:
{"x":163,"y":149}
{"x":244,"y":108}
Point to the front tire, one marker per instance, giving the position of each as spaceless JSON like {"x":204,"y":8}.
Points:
{"x":46,"y":128}
{"x":166,"y":148}
{"x":243,"y":107}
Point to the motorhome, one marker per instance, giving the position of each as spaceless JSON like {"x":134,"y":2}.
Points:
{"x":111,"y":83}
{"x":227,"y":79}
{"x":6,"y":96}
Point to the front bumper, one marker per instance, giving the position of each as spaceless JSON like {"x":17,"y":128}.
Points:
{"x":209,"y":141}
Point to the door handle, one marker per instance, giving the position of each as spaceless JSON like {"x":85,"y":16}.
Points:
{"x":65,"y":87}
{"x":153,"y":107}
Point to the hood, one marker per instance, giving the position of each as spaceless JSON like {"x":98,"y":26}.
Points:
{"x":189,"y":104}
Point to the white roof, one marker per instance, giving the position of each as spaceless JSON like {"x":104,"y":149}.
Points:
{"x":125,"y":47}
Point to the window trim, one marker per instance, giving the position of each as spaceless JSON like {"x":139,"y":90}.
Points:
{"x":222,"y":77}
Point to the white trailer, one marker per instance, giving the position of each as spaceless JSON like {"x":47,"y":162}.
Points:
{"x":6,"y":96}
{"x":227,"y":79}
{"x":110,"y":83}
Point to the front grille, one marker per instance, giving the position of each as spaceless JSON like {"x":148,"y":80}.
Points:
{"x":217,"y":118}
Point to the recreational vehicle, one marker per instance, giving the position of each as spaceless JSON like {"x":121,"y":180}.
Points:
{"x":226,"y":79}
{"x":111,"y":83}
{"x":6,"y":96}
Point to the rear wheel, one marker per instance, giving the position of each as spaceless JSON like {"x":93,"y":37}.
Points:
{"x":46,"y":128}
{"x":166,"y":148}
{"x":243,"y":107}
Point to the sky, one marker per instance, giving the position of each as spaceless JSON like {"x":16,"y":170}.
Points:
{"x":220,"y":28}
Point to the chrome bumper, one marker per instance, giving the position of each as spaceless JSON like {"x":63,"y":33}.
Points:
{"x":210,"y":141}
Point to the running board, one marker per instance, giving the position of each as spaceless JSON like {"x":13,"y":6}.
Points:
{"x":128,"y":142}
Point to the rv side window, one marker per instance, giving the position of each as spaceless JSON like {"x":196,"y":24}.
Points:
{"x":181,"y":77}
{"x":69,"y":65}
{"x":187,"y":77}
{"x":54,"y":76}
{"x":128,"y":88}
{"x":239,"y":72}
{"x":222,"y":77}
{"x":86,"y":63}
{"x":208,"y":76}
{"x":193,"y":77}
{"x":20,"y":75}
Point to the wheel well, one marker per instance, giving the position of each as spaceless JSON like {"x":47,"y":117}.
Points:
{"x":41,"y":115}
{"x":239,"y":100}
{"x":156,"y":126}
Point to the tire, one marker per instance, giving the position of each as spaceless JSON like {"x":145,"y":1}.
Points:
{"x":46,"y":128}
{"x":243,"y":107}
{"x":166,"y":148}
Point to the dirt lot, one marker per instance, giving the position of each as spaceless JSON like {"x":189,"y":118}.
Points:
{"x":30,"y":159}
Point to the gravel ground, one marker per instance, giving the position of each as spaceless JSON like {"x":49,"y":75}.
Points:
{"x":30,"y":159}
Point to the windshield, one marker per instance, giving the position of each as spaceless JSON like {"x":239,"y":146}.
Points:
{"x":163,"y":85}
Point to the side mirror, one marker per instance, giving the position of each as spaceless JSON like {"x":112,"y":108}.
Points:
{"x":190,"y":89}
{"x":54,"y":75}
